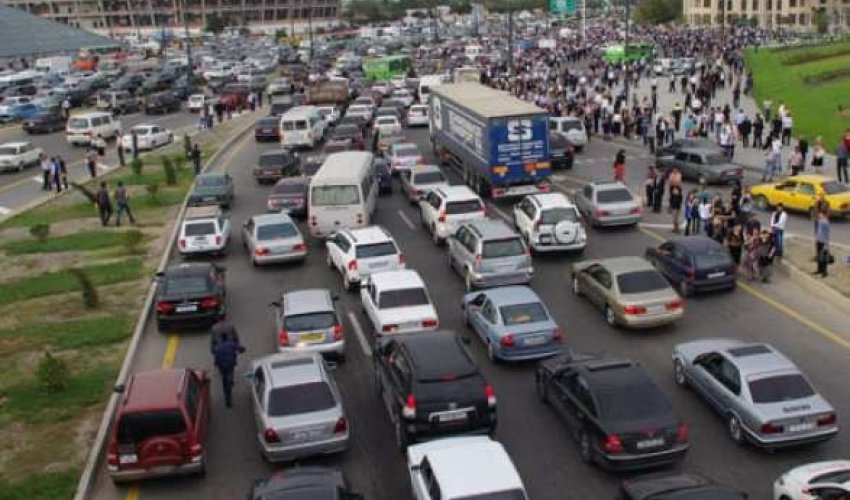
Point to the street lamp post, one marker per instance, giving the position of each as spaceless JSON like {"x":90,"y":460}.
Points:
{"x":626,"y":50}
{"x":188,"y":42}
{"x":511,"y":38}
{"x":310,"y":29}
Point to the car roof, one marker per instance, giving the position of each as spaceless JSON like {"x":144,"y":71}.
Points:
{"x":699,"y":150}
{"x":551,"y":200}
{"x":296,"y":479}
{"x":458,"y":192}
{"x":153,"y":389}
{"x":393,"y":280}
{"x":273,"y":218}
{"x":287,"y":369}
{"x":619,"y":265}
{"x":516,"y":294}
{"x":436,"y":355}
{"x":608,"y":185}
{"x":649,"y":485}
{"x":307,"y":301}
{"x":602,"y":369}
{"x":369,"y":234}
{"x":491,"y":228}
{"x":757,"y":358}
{"x":696,"y":243}
{"x":811,"y":178}
{"x":808,"y":471}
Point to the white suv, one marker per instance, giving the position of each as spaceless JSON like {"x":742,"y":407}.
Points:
{"x":357,"y":253}
{"x":17,"y":155}
{"x":205,"y":230}
{"x":398,"y":302}
{"x":444,"y":209}
{"x":550,"y":222}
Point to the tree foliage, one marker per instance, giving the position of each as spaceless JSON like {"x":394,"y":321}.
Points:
{"x":216,"y":23}
{"x":652,"y":12}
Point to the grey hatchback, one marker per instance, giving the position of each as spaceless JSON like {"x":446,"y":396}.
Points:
{"x":489,"y":253}
{"x":307,"y":321}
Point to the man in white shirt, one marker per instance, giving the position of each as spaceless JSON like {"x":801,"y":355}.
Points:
{"x":778,"y":221}
{"x":787,"y":126}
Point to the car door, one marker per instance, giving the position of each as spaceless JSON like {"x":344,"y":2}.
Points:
{"x":425,"y":486}
{"x":662,"y":256}
{"x":576,"y":403}
{"x":457,"y":247}
{"x":258,"y":396}
{"x":680,"y":263}
{"x":524,"y":216}
{"x":599,"y":284}
{"x":426,"y":206}
{"x":714,"y":378}
{"x":368,"y":296}
{"x":197,"y":406}
{"x":784,"y":193}
{"x":338,"y":247}
{"x":248,"y":235}
{"x":486,"y":321}
{"x":804,"y":197}
{"x":399,"y":381}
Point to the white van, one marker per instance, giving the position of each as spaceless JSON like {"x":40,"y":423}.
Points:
{"x":425,"y":84}
{"x":81,"y":129}
{"x":343,"y":193}
{"x":301,"y":126}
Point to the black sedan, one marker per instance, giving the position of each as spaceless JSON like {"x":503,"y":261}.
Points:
{"x":289,"y":195}
{"x":190,"y":295}
{"x":298,"y":483}
{"x":694,"y":264}
{"x":44,"y":122}
{"x":619,"y":417}
{"x":347,"y":134}
{"x":267,"y":129}
{"x":676,"y":486}
{"x":431,"y":387}
{"x":674,"y":147}
{"x":561,"y":152}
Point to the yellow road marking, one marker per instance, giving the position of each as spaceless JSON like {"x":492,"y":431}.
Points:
{"x":170,"y":351}
{"x":132,"y":493}
{"x":791,"y":313}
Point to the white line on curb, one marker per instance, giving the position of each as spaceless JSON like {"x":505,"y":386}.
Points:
{"x":361,"y":337}
{"x":406,"y":220}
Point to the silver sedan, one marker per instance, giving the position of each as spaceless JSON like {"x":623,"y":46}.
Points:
{"x":273,"y":238}
{"x":607,"y":203}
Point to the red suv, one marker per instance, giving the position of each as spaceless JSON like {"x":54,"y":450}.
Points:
{"x":160,"y":425}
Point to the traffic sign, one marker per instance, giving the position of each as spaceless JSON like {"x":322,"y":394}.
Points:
{"x":562,"y":6}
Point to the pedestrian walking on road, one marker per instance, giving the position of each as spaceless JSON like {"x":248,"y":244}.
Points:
{"x":691,"y":214}
{"x":56,"y":174}
{"x":63,"y":171}
{"x":765,"y":253}
{"x":818,"y":154}
{"x":225,"y":355}
{"x":796,"y":162}
{"x":122,"y":204}
{"x":620,"y":166}
{"x":841,"y":159}
{"x":196,"y":159}
{"x":822,"y":254}
{"x":104,"y":204}
{"x":735,"y":242}
{"x":45,"y":172}
{"x":821,"y":206}
{"x":649,"y":185}
{"x":675,"y":205}
{"x":91,"y":162}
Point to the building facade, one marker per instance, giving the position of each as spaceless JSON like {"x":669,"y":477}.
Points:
{"x":118,"y":17}
{"x":807,"y":15}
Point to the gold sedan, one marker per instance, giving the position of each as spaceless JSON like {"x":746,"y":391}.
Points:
{"x":629,"y":290}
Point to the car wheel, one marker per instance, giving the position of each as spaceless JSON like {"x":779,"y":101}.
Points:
{"x":491,"y":352}
{"x":401,"y":437}
{"x":576,"y":287}
{"x":733,"y":425}
{"x":679,"y":374}
{"x":761,"y":202}
{"x":585,"y":449}
{"x":610,"y":317}
{"x":542,"y":392}
{"x":685,"y":289}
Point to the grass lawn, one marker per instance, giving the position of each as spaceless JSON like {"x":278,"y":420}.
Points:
{"x":86,"y":332}
{"x":81,"y":242}
{"x":51,"y":486}
{"x":814,"y":108}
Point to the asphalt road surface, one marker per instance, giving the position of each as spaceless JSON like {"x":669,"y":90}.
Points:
{"x":813,"y":334}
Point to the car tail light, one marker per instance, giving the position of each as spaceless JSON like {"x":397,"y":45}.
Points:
{"x":182,"y":243}
{"x":217,"y":239}
{"x":282,"y":337}
{"x":498,"y":192}
{"x":209,"y":302}
{"x":491,"y":396}
{"x":634,"y":310}
{"x":112,"y":454}
{"x":270,"y":436}
{"x":341,"y":425}
{"x":828,"y":419}
{"x":352,"y":265}
{"x":195,"y":451}
{"x":692,"y":274}
{"x":613,"y":445}
{"x":402,"y":260}
{"x":635,"y":211}
{"x":559,"y":335}
{"x":601,"y":213}
{"x":389,"y":328}
{"x":409,"y":410}
{"x":508,"y":341}
{"x":337,"y":332}
{"x":477,"y":261}
{"x":260,"y":251}
{"x":429,"y":323}
{"x":682,"y":433}
{"x":770,"y":428}
{"x":164,"y":307}
{"x":676,"y":304}
{"x":441,"y":217}
{"x":300,"y":247}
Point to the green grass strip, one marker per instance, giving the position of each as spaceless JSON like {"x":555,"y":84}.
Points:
{"x":82,"y":242}
{"x":75,"y":334}
{"x":63,"y":281}
{"x":48,"y":486}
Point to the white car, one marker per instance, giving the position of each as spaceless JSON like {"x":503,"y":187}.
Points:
{"x":196,"y":103}
{"x":148,"y":137}
{"x":463,"y":467}
{"x":386,"y":124}
{"x":417,"y":116}
{"x":383,"y":88}
{"x":816,"y":481}
{"x":550,"y":222}
{"x":357,"y":253}
{"x":398,"y":302}
{"x":360,"y":110}
{"x":442,"y":210}
{"x":399,"y":82}
{"x":18,"y":155}
{"x":419,"y":180}
{"x":404,"y":96}
{"x":403,"y":156}
{"x":204,"y":230}
{"x":329,"y":113}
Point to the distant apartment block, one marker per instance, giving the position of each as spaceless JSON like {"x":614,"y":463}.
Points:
{"x":793,"y":14}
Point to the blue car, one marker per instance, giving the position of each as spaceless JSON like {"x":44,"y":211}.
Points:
{"x":17,"y":112}
{"x":694,"y":264}
{"x":513,"y":323}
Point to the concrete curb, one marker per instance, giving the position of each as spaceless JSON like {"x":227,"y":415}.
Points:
{"x":816,"y":287}
{"x":96,"y":453}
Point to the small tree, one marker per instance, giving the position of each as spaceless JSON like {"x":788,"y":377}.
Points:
{"x":136,"y":166}
{"x":153,"y":193}
{"x":52,"y":373}
{"x":86,"y":192}
{"x":179,"y":162}
{"x":170,"y":171}
{"x":40,"y":231}
{"x":132,"y":239}
{"x":90,"y":297}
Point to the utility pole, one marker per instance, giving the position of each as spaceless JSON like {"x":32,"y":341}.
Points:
{"x":310,"y":28}
{"x":626,"y":50}
{"x":190,"y":75}
{"x":723,"y":22}
{"x":584,"y":22}
{"x":511,"y":37}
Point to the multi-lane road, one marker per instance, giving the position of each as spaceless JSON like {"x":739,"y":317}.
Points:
{"x":812,"y":332}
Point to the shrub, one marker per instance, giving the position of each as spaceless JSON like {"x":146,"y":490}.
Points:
{"x":86,"y":192}
{"x":136,"y":166}
{"x":40,"y":231}
{"x":170,"y":171}
{"x":52,"y":373}
{"x":179,"y":162}
{"x":132,"y":239}
{"x":153,"y":192}
{"x":90,"y":297}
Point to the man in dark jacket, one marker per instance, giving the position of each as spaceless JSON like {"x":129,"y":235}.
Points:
{"x":225,"y":353}
{"x":196,"y":159}
{"x":104,"y":204}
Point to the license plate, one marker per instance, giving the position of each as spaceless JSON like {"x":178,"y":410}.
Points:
{"x":209,"y":198}
{"x":186,"y":308}
{"x":267,"y":131}
{"x":535,"y":340}
{"x":306,"y":435}
{"x":655,"y":309}
{"x":717,"y":275}
{"x":129,"y":458}
{"x":376,"y":265}
{"x":545,"y":239}
{"x":311,"y":337}
{"x":801,"y":427}
{"x":650,"y":443}
{"x":452,"y":416}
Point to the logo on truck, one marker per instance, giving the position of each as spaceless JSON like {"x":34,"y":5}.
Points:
{"x":520,"y":130}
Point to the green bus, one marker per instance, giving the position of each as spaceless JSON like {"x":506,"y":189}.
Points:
{"x":387,"y":68}
{"x":635,"y":52}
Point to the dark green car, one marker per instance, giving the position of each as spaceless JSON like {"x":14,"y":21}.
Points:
{"x":214,"y":188}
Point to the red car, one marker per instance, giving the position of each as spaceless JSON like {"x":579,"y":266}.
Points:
{"x":160,"y":425}
{"x":234,"y":95}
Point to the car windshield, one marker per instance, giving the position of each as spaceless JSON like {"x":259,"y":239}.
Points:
{"x":211,"y":180}
{"x":334,"y":195}
{"x":78,"y":123}
{"x":715,"y":159}
{"x":568,"y":125}
{"x":428,"y":178}
{"x":8,"y":151}
{"x":273,"y":160}
{"x":509,"y":247}
{"x":298,"y":399}
{"x":613,"y":195}
{"x":199,"y":229}
{"x":520,"y":314}
{"x":403,"y":297}
{"x":832,"y":187}
{"x":780,"y":388}
{"x":274,"y":231}
{"x":311,"y":321}
{"x":556,"y":215}
{"x":463,"y":207}
{"x":140,"y":131}
{"x":713,"y":258}
{"x":641,"y":282}
{"x":136,"y":428}
{"x":630,"y":402}
{"x":185,"y":285}
{"x":376,"y":250}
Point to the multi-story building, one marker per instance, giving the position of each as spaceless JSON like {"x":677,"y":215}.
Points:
{"x":116,"y":17}
{"x":792,"y":14}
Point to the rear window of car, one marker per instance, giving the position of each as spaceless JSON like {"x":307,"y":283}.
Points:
{"x":274,"y":231}
{"x":632,"y":402}
{"x":556,"y":215}
{"x":199,"y":229}
{"x":273,"y":160}
{"x":312,"y":321}
{"x":185,"y":285}
{"x":520,"y":314}
{"x":404,"y":297}
{"x":267,"y":123}
{"x":713,"y":258}
{"x":780,"y":388}
{"x":463,"y":207}
{"x":613,"y":195}
{"x":641,"y":282}
{"x":428,"y":178}
{"x":8,"y":151}
{"x":210,"y":180}
{"x":376,"y":250}
{"x":135,"y":428}
{"x":78,"y":123}
{"x":510,"y":247}
{"x":335,"y":195}
{"x":301,"y":398}
{"x":289,"y":188}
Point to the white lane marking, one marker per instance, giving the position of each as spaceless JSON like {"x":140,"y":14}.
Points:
{"x":5,"y":211}
{"x":406,"y":220}
{"x":501,"y":213}
{"x":37,"y":179}
{"x":651,"y":225}
{"x":361,"y":337}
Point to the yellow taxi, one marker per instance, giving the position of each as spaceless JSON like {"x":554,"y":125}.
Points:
{"x":799,"y":193}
